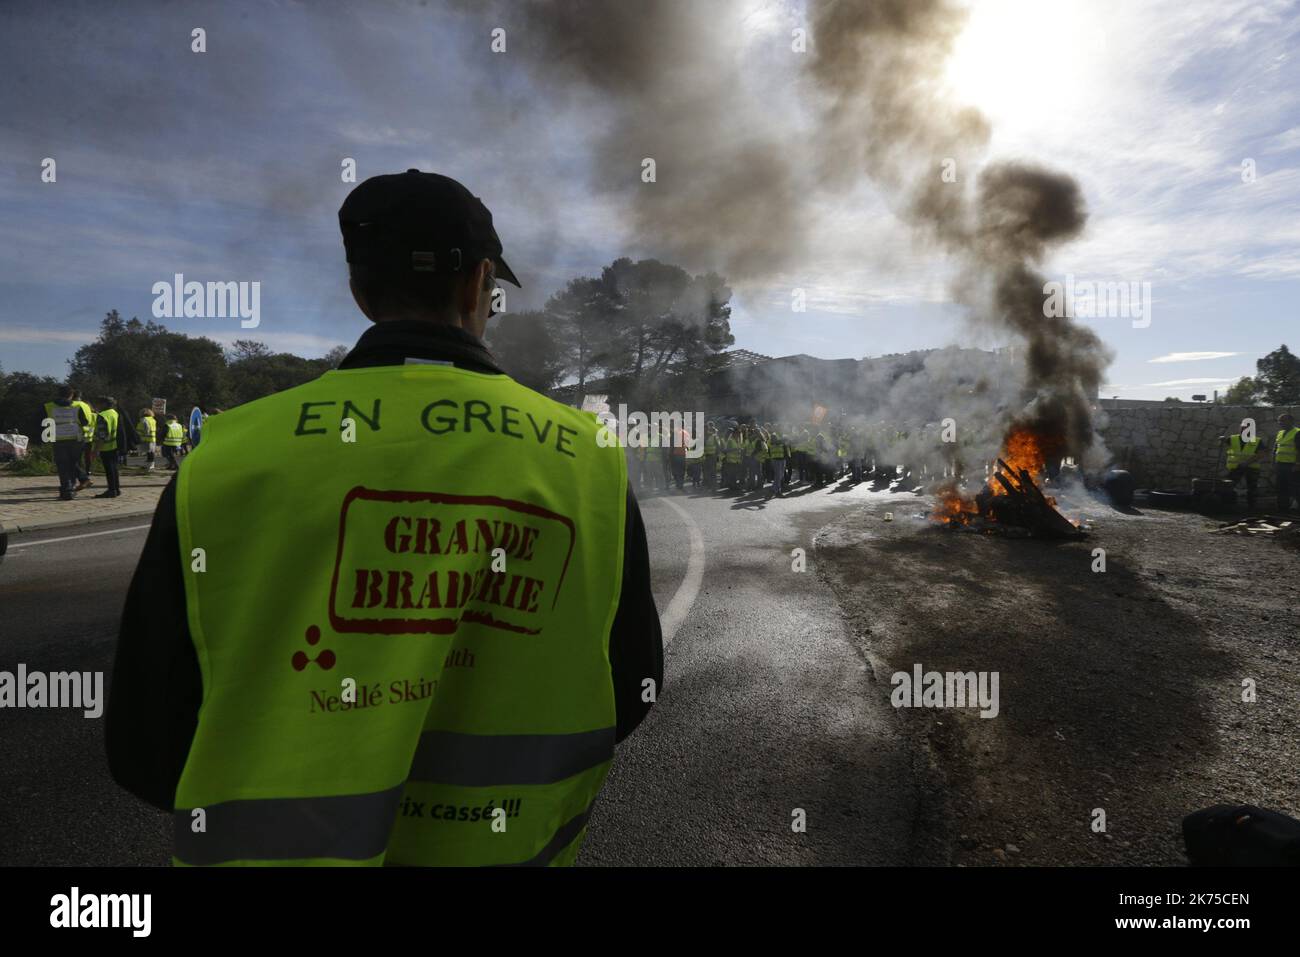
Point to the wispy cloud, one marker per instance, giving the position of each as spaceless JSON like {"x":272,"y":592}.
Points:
{"x":1174,"y":382}
{"x":1288,"y":140}
{"x":31,"y":335}
{"x":1193,"y":356}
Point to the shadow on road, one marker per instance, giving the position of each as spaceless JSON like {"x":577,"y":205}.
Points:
{"x":1102,"y":679}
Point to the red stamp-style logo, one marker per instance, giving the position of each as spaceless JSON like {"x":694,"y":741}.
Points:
{"x":423,"y":562}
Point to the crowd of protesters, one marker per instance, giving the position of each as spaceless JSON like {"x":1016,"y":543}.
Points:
{"x":771,"y":457}
{"x":83,"y":429}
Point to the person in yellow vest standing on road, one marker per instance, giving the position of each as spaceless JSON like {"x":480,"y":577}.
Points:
{"x":1244,"y":463}
{"x":1284,"y":461}
{"x":712,"y":446}
{"x":173,"y":437}
{"x":106,"y":444}
{"x":147,"y":430}
{"x":415,"y":623}
{"x":777,"y":453}
{"x":87,"y":462}
{"x":733,"y":458}
{"x":68,"y":419}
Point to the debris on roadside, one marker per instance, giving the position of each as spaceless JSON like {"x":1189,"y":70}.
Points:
{"x":1276,"y":527}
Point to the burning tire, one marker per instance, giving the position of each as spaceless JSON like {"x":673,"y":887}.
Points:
{"x":1119,"y":487}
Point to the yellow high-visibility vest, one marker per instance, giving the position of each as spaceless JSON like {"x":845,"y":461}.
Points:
{"x":89,"y":427}
{"x":109,"y":418}
{"x":1284,"y":445}
{"x":1240,"y":450}
{"x":67,"y":427}
{"x":459,"y":565}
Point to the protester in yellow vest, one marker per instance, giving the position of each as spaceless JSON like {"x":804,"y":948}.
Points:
{"x":777,"y":453}
{"x":419,"y":609}
{"x":106,"y":445}
{"x":755,"y":456}
{"x":88,"y":444}
{"x":678,"y":442}
{"x":857,"y":453}
{"x":1284,"y":461}
{"x":173,"y":436}
{"x":732,"y":457}
{"x":147,"y":429}
{"x":1244,"y":463}
{"x":745,"y":436}
{"x":68,"y":420}
{"x":710,"y":461}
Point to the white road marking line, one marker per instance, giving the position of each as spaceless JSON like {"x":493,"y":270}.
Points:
{"x":71,"y":538}
{"x":687,"y":591}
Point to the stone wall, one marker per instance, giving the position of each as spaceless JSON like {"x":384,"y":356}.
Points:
{"x":1168,"y":447}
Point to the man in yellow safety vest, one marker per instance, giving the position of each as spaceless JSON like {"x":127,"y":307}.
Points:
{"x":1243,"y":460}
{"x":1284,"y":461}
{"x":87,"y":461}
{"x":173,"y":439}
{"x":67,"y":420}
{"x":413,"y":625}
{"x":147,"y":431}
{"x":106,"y":444}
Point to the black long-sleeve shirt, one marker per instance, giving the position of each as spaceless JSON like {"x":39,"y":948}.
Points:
{"x":157,"y":687}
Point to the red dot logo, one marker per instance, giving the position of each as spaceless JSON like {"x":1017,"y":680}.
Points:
{"x":325,"y":659}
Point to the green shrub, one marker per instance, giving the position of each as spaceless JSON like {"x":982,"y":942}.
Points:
{"x":38,"y":461}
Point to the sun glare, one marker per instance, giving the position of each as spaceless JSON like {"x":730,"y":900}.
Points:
{"x":1026,"y":63}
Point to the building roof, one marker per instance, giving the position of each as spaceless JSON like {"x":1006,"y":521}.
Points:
{"x":738,"y":356}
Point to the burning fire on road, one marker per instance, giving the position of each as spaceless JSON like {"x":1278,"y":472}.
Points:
{"x":1011,"y":498}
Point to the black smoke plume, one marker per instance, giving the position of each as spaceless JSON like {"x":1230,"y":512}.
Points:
{"x":668,"y":79}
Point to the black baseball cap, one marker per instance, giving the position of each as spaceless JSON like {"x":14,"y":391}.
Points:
{"x":419,"y":221}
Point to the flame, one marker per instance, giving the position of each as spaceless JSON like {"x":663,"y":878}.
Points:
{"x":953,"y":508}
{"x":1023,"y":448}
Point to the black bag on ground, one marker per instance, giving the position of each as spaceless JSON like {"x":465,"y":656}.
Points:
{"x":1241,"y":835}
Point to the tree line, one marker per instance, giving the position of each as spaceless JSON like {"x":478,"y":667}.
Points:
{"x":637,"y":326}
{"x":135,"y":361}
{"x":1276,"y":382}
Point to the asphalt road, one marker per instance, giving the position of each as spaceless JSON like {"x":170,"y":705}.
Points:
{"x":767,"y":707}
{"x":768,"y":717}
{"x":61,"y":595}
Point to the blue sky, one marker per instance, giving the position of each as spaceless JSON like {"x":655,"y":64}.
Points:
{"x":225,"y":165}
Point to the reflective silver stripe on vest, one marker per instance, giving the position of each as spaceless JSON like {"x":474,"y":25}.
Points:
{"x":487,"y":760}
{"x":354,"y":827}
{"x":351,"y":827}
